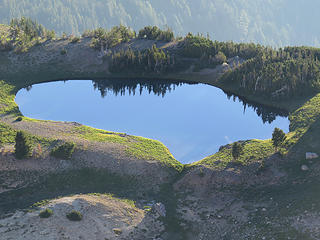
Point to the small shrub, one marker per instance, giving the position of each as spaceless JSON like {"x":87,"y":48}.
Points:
{"x":46,"y":213}
{"x":18,"y":119}
{"x":117,"y":231}
{"x":147,"y":208}
{"x":23,"y":148}
{"x":63,"y":52}
{"x":201,"y":173}
{"x":75,"y":40}
{"x":74,"y":216}
{"x":64,"y":151}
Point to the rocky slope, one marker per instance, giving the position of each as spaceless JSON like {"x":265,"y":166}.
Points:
{"x":104,"y":217}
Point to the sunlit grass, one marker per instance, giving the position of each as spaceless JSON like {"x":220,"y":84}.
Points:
{"x":253,"y":150}
{"x":137,"y":147}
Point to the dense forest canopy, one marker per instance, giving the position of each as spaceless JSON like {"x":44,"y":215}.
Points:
{"x":272,"y":22}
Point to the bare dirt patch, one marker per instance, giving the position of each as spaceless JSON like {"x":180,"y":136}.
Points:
{"x":103,"y":218}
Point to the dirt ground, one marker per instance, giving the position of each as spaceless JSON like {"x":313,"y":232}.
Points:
{"x":103,"y":218}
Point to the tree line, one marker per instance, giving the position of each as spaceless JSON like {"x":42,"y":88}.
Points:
{"x":279,"y":73}
{"x":276,"y":73}
{"x":251,"y":20}
{"x":108,"y":39}
{"x":22,"y":34}
{"x":152,"y":60}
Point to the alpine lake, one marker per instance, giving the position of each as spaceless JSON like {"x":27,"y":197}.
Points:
{"x":192,"y":120}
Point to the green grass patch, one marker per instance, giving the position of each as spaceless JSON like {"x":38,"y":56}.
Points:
{"x":27,"y":119}
{"x":98,"y":135}
{"x":137,"y":147}
{"x":111,"y":196}
{"x":7,"y":96}
{"x":7,"y":134}
{"x":144,"y":148}
{"x":46,"y":213}
{"x":253,"y":150}
{"x":306,"y":115}
{"x":40,"y":203}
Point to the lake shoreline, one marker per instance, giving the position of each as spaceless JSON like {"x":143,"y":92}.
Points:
{"x":163,"y":95}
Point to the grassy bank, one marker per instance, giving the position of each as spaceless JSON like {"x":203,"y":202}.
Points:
{"x":136,"y":147}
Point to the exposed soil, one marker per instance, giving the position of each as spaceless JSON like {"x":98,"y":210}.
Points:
{"x":103,"y":218}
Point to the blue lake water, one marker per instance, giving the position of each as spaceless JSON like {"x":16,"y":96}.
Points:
{"x":193,"y":121}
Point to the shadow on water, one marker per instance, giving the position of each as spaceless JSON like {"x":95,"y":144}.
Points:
{"x":132,"y":86}
{"x":266,"y":113}
{"x":161,"y":87}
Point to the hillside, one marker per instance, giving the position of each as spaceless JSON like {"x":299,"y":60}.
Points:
{"x":266,"y":193}
{"x":104,"y":217}
{"x":275,"y":22}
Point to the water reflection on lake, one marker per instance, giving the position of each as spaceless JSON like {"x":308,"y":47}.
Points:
{"x":192,"y":120}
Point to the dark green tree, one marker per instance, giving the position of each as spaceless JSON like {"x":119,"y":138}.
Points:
{"x":220,"y":57}
{"x":237,"y":150}
{"x":64,"y":151}
{"x":278,"y":137}
{"x":23,"y":146}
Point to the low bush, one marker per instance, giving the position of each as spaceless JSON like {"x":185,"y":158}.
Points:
{"x":74,"y":216}
{"x":64,"y":151}
{"x":75,"y":39}
{"x":155,"y":33}
{"x":63,"y":52}
{"x":46,"y":213}
{"x":18,"y":119}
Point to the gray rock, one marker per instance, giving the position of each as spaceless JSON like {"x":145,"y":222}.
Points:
{"x":160,"y":209}
{"x":311,"y":155}
{"x":304,"y":168}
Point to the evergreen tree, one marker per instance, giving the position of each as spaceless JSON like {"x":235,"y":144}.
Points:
{"x":278,"y":137}
{"x":237,"y":150}
{"x":23,"y":146}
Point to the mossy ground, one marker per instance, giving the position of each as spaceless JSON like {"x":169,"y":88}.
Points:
{"x":137,"y":147}
{"x":253,"y":150}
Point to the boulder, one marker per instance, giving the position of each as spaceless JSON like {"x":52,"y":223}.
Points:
{"x":310,"y":155}
{"x":160,"y":209}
